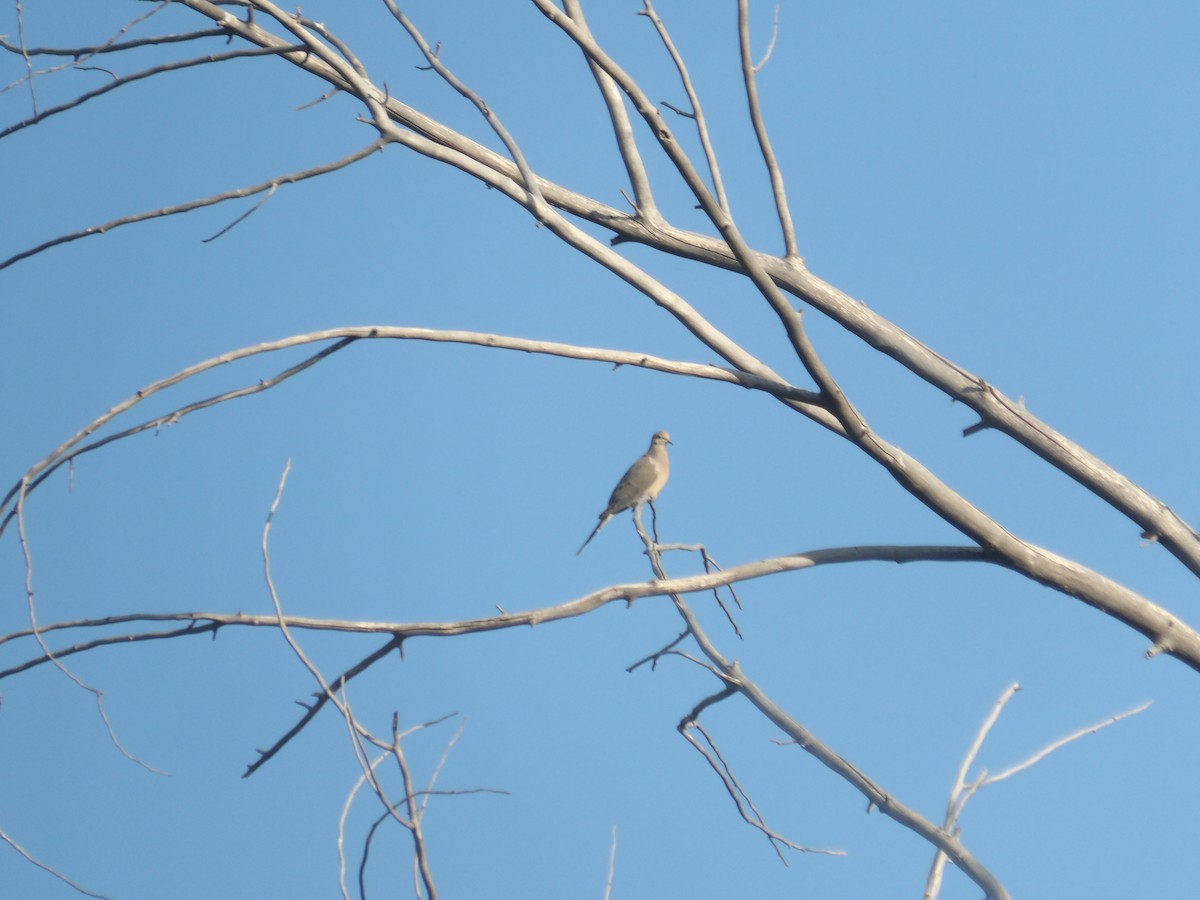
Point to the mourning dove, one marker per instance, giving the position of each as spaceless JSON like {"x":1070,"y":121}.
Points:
{"x":639,"y":485}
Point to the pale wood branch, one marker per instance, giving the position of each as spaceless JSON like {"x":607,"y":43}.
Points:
{"x":963,"y":790}
{"x":46,"y":867}
{"x":74,"y":446}
{"x":235,"y":194}
{"x":791,"y":249}
{"x":697,"y":112}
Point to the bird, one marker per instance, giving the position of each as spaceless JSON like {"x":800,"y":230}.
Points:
{"x":639,"y":485}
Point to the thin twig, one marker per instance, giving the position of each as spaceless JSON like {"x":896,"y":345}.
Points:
{"x":235,"y":194}
{"x":693,"y":98}
{"x":741,"y":799}
{"x":172,"y":417}
{"x":778,"y":190}
{"x":415,"y":814}
{"x":25,"y":56}
{"x":933,"y":881}
{"x":612,"y":863}
{"x":643,"y":204}
{"x":96,"y":693}
{"x":733,"y":676}
{"x":110,"y":46}
{"x":319,"y":701}
{"x":121,"y":81}
{"x":30,"y":858}
{"x":341,"y":830}
{"x":81,"y":55}
{"x":536,"y":203}
{"x":1062,"y":742}
{"x":255,"y":208}
{"x":964,"y":790}
{"x":771,"y":45}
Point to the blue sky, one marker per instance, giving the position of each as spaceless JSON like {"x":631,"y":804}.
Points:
{"x":1015,"y":186}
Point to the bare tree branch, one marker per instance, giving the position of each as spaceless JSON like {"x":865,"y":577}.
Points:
{"x":612,"y":862}
{"x":319,"y":700}
{"x":236,"y":194}
{"x":717,"y":762}
{"x":733,"y":677}
{"x":47,"y":655}
{"x":121,"y":81}
{"x":644,"y":205}
{"x":46,"y":867}
{"x":627,"y":593}
{"x":791,"y":250}
{"x":25,"y":55}
{"x":73,"y":447}
{"x":697,"y":112}
{"x":962,"y":791}
{"x":112,"y":46}
{"x":758,"y":66}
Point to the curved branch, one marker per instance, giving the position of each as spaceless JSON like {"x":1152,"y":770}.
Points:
{"x":643,"y":196}
{"x":570,"y":609}
{"x":73,"y":447}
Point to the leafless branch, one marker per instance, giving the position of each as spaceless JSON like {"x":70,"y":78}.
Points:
{"x":175,"y":415}
{"x":25,"y":56}
{"x":341,"y":832}
{"x":745,"y":805}
{"x":963,"y":790}
{"x":643,"y":203}
{"x":654,"y":657}
{"x":625,"y":593}
{"x":46,"y":867}
{"x":771,"y":45}
{"x":236,"y":194}
{"x":47,"y":655}
{"x":693,"y":98}
{"x":122,"y":80}
{"x":112,"y":46}
{"x":73,"y":447}
{"x":1062,"y":742}
{"x":319,"y":701}
{"x":415,"y":814}
{"x":82,"y":54}
{"x":251,"y":211}
{"x":792,"y":251}
{"x":537,"y":204}
{"x":733,"y":677}
{"x":612,"y":863}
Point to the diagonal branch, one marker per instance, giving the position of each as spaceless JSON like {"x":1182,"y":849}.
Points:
{"x":732,"y":675}
{"x":320,"y":700}
{"x":46,"y":867}
{"x":235,"y":194}
{"x":697,"y":110}
{"x":717,"y":762}
{"x":121,"y":81}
